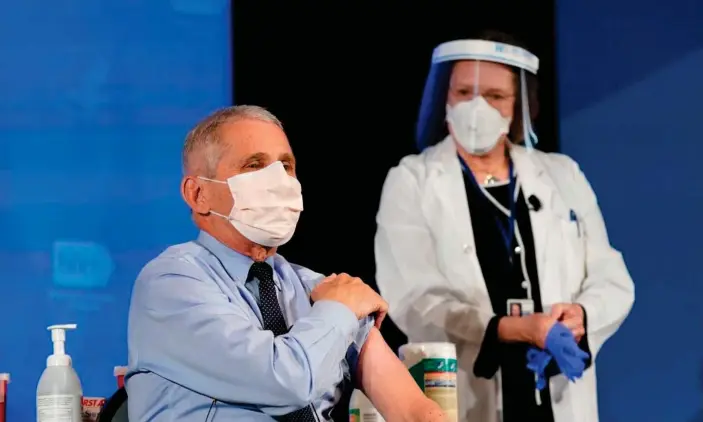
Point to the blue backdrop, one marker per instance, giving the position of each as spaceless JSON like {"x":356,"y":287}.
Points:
{"x":96,"y":99}
{"x":630,"y":95}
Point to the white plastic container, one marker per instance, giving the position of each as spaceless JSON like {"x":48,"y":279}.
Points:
{"x":59,"y":392}
{"x":361,"y":409}
{"x":433,"y":366}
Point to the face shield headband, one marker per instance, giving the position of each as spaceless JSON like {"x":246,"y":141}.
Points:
{"x":431,"y":120}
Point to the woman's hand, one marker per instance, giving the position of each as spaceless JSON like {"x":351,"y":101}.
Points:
{"x":537,"y":327}
{"x":529,"y":329}
{"x":572,"y":315}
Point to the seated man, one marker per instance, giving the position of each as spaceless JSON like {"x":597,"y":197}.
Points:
{"x":224,"y":329}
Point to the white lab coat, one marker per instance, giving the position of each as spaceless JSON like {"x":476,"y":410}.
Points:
{"x":428,"y":271}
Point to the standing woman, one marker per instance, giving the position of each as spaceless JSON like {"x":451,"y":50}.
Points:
{"x":480,"y":222}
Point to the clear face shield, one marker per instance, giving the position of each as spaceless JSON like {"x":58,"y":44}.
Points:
{"x":479,"y":90}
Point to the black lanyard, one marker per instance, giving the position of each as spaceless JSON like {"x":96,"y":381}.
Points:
{"x":506,"y":232}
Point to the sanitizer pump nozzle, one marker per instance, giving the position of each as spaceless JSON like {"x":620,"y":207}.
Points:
{"x":58,"y":336}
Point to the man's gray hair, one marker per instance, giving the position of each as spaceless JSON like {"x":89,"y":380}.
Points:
{"x":203,"y":141}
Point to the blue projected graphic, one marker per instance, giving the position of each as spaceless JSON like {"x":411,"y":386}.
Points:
{"x":81,"y":265}
{"x":97,"y":97}
{"x":630,"y":90}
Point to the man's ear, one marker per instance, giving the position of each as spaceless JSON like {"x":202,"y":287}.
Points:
{"x":194,"y":195}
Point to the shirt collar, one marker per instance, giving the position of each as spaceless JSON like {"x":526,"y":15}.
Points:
{"x":236,"y":264}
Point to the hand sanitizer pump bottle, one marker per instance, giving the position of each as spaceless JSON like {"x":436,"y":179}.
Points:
{"x":59,"y":393}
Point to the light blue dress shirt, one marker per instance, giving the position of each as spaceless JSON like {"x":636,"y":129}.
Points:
{"x":195,"y":335}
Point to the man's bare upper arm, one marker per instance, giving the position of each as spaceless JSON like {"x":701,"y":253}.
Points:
{"x":385,"y":380}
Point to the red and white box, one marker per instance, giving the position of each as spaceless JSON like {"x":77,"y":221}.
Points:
{"x":4,"y":380}
{"x":119,"y":373}
{"x":92,"y":407}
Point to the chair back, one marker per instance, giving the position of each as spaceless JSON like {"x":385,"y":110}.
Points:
{"x":115,"y":409}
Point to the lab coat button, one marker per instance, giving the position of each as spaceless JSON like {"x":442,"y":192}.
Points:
{"x":518,"y":250}
{"x":465,"y":246}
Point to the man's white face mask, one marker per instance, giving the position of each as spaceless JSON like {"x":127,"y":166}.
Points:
{"x":476,"y":125}
{"x":267,"y":204}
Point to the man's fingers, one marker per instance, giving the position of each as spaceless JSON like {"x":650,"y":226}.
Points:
{"x":379,"y":317}
{"x":381,"y":310}
{"x":328,"y":278}
{"x":331,"y":277}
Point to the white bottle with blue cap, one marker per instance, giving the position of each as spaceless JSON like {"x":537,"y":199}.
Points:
{"x":59,"y":393}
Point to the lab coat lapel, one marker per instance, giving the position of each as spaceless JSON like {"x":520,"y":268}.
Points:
{"x":451,"y":194}
{"x":535,"y":181}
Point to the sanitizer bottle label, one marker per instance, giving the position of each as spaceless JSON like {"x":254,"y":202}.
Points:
{"x":369,"y":415}
{"x":58,"y":408}
{"x":437,"y":379}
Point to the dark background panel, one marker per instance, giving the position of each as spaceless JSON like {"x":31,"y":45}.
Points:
{"x":346,"y":81}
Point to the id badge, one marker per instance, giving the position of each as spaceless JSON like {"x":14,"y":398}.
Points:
{"x":520,"y":307}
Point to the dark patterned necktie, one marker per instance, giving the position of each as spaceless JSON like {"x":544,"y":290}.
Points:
{"x":274,"y":322}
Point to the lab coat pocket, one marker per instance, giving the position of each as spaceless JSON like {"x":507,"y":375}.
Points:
{"x":574,"y":250}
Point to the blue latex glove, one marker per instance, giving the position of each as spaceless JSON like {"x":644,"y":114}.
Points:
{"x":561,"y":344}
{"x":537,"y":361}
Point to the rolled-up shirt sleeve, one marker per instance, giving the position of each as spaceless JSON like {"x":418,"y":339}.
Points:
{"x":310,"y":279}
{"x":354,"y":350}
{"x":187,"y":331}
